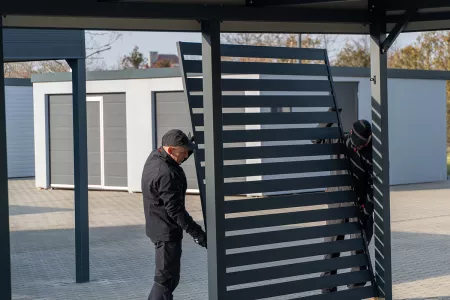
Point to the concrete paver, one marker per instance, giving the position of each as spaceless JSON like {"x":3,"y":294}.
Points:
{"x":43,"y":250}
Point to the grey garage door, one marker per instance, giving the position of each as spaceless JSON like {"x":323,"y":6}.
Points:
{"x":172,"y":112}
{"x":107,"y":160}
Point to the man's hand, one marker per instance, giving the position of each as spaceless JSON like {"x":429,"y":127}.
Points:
{"x":201,"y":240}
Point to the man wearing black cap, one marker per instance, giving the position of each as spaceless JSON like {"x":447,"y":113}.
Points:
{"x":164,"y":189}
{"x":359,"y":150}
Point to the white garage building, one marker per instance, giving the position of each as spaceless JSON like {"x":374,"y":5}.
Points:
{"x":129,"y":111}
{"x":19,"y":127}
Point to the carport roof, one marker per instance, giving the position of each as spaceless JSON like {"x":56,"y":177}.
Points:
{"x":303,"y":16}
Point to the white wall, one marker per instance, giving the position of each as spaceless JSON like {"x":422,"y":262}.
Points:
{"x":19,"y":131}
{"x":139,"y":120}
{"x":417,"y":127}
{"x":417,"y":136}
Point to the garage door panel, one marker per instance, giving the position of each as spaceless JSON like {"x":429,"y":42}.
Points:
{"x":115,"y":133}
{"x":62,"y":179}
{"x":115,"y":156}
{"x":63,"y":121}
{"x":174,"y":120}
{"x":63,"y":168}
{"x":116,"y":169}
{"x":61,"y":140}
{"x":172,"y":113}
{"x":166,"y":108}
{"x":115,"y":141}
{"x":116,"y":121}
{"x":65,"y":145}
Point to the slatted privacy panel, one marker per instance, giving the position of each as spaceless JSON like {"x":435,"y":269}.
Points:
{"x":275,"y":241}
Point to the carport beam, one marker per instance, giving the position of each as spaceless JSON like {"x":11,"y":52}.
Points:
{"x":80,"y":169}
{"x":379,"y":90}
{"x":5,"y":248}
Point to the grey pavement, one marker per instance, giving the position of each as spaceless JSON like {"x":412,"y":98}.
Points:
{"x":43,"y":250}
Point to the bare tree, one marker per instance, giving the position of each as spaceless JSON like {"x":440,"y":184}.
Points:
{"x":97,"y":43}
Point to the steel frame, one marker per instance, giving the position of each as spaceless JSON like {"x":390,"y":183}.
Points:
{"x":80,"y":169}
{"x":5,"y":245}
{"x":379,"y":86}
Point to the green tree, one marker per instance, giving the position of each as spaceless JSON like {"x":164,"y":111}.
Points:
{"x":355,"y":53}
{"x":134,"y":59}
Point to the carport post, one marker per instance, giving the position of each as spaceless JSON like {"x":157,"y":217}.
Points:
{"x":212,"y":102}
{"x":80,"y":169}
{"x":379,"y":88}
{"x":5,"y":248}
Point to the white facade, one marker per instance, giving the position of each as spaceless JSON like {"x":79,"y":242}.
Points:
{"x":417,"y":121}
{"x":19,"y":130}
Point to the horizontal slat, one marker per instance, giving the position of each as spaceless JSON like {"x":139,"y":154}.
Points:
{"x":285,"y":201}
{"x":290,"y":235}
{"x":272,"y":52}
{"x":266,"y":186}
{"x":267,"y":101}
{"x":257,"y":51}
{"x":380,"y":282}
{"x":293,"y":252}
{"x":266,"y":135}
{"x":297,"y":269}
{"x":292,"y":287}
{"x":379,"y":270}
{"x":318,"y":215}
{"x":196,"y":85}
{"x":353,"y":294}
{"x":190,"y":48}
{"x":238,"y":153}
{"x":293,"y":167}
{"x":230,"y":67}
{"x":271,"y":118}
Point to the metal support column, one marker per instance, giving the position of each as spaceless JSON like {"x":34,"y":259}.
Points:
{"x":379,"y":86}
{"x":80,"y":169}
{"x":5,"y":249}
{"x":212,"y":101}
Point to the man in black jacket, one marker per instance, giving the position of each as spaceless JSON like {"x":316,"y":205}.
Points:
{"x":164,"y":190}
{"x":358,"y":144}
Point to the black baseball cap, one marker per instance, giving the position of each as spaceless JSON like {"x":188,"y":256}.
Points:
{"x":361,"y":133}
{"x":176,"y":138}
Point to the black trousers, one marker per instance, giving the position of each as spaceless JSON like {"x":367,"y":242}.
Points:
{"x":167,"y":270}
{"x":368,"y":229}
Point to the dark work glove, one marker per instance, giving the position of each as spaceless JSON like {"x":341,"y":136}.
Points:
{"x":334,"y":109}
{"x":201,"y":240}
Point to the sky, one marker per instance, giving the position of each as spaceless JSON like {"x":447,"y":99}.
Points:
{"x":165,"y":42}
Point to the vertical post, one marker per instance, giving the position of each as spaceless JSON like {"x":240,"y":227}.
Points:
{"x":80,"y":169}
{"x":5,"y":249}
{"x":212,"y":101}
{"x":379,"y":88}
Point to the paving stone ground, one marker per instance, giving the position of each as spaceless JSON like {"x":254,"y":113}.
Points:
{"x":43,"y":247}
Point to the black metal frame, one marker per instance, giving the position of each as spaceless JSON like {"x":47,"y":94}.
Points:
{"x":80,"y":169}
{"x":341,"y":131}
{"x":287,"y":2}
{"x":215,"y":200}
{"x":380,"y":144}
{"x":192,"y":68}
{"x":395,"y":32}
{"x":5,"y":244}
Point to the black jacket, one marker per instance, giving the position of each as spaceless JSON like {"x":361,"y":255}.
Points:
{"x":361,"y":165}
{"x":164,"y":190}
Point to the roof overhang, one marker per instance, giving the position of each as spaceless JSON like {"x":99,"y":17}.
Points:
{"x":312,"y":16}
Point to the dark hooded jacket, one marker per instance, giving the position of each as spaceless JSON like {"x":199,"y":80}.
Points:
{"x":164,"y":188}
